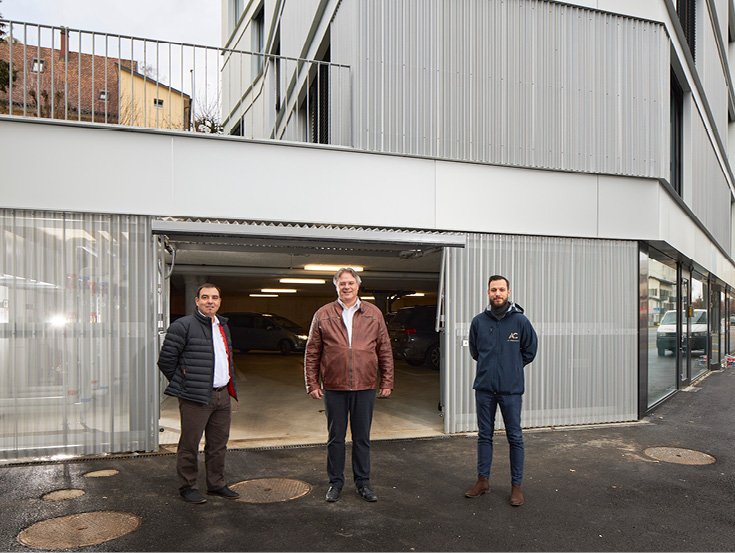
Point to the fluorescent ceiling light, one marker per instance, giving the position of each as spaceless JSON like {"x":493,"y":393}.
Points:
{"x":302,"y":281}
{"x":417,"y":295}
{"x":367,"y":297}
{"x":332,"y":268}
{"x":278,"y":290}
{"x":263,"y":295}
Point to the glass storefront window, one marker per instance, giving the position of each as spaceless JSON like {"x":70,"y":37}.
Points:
{"x":698,"y":325}
{"x":662,"y":327}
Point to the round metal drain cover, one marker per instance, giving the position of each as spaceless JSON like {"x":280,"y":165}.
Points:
{"x":60,"y":495}
{"x":680,"y":456}
{"x":101,"y":473}
{"x":78,"y":530}
{"x":270,"y":490}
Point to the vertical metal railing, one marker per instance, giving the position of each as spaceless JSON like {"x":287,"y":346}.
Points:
{"x":87,"y":76}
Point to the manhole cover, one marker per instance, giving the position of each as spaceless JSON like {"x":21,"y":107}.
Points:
{"x":101,"y":473}
{"x":60,"y":495}
{"x":270,"y":490}
{"x":78,"y":530}
{"x":680,"y":456}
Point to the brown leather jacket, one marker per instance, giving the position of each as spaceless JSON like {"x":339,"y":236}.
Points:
{"x":329,"y":359}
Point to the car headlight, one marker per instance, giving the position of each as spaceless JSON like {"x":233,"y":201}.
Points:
{"x":303,"y":337}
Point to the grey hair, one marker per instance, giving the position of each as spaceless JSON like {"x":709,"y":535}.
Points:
{"x":347,"y":270}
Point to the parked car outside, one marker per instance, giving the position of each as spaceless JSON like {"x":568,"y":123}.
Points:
{"x":666,"y":332}
{"x":413,"y":336}
{"x":265,"y":331}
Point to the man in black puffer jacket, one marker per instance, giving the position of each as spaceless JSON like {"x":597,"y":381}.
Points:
{"x":197,"y":360}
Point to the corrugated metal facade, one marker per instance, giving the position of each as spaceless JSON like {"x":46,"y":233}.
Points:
{"x":77,"y":334}
{"x":580,"y":295}
{"x":711,"y":196}
{"x":519,"y":82}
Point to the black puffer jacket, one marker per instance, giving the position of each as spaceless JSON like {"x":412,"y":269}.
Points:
{"x":187,"y":358}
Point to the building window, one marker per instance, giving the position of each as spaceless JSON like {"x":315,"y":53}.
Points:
{"x":236,"y":12}
{"x":104,"y":95}
{"x":277,"y":64}
{"x":257,"y":28}
{"x":38,"y":65}
{"x":158,"y":102}
{"x":677,"y":122}
{"x":685,"y":11}
{"x":318,"y":103}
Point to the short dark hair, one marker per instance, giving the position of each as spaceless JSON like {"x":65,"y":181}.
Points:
{"x":209,"y":285}
{"x":498,"y":277}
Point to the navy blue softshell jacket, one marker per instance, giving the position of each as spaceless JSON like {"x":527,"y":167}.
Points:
{"x":502,"y":348}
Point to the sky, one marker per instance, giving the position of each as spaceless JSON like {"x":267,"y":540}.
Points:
{"x":190,"y":21}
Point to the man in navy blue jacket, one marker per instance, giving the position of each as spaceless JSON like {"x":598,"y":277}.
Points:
{"x":502,"y":341}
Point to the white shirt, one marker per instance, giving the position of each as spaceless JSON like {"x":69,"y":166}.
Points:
{"x":221,"y":361}
{"x":347,"y":314}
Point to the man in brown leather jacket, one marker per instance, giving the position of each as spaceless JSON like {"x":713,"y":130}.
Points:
{"x":348,"y":346}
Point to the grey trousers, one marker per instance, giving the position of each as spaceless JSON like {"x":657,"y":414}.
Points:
{"x":213,"y":421}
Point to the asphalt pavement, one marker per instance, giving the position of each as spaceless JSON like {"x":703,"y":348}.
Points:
{"x":587,"y":489}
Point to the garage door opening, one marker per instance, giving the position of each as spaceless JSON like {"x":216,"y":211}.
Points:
{"x":270,"y":291}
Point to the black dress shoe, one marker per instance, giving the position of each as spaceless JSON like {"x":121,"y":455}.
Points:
{"x":225,"y":492}
{"x":367,"y":493}
{"x":192,"y":495}
{"x":333,"y":494}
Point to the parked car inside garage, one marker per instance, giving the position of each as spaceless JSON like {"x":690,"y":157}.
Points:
{"x":265,"y":331}
{"x":413,"y":336}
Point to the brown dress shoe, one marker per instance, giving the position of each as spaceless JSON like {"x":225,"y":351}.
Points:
{"x":516,"y":495}
{"x":481,"y":486}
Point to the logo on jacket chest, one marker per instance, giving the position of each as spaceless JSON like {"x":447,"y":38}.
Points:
{"x":513,"y":337}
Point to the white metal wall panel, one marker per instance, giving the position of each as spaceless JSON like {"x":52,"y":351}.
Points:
{"x":580,"y":295}
{"x":519,"y":82}
{"x":711,"y":197}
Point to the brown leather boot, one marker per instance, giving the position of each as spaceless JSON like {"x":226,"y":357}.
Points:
{"x":516,"y":495}
{"x":481,"y":486}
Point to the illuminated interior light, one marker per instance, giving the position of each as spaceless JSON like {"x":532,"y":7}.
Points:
{"x":332,"y":268}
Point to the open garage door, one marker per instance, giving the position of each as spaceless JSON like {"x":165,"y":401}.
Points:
{"x":401,"y":269}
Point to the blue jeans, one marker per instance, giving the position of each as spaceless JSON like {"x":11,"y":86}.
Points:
{"x":510,"y":407}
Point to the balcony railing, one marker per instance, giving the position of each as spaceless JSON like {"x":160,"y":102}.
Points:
{"x":85,"y":76}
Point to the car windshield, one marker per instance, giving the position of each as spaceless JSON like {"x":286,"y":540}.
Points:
{"x":283,"y":322}
{"x":669,"y":318}
{"x":700,"y":317}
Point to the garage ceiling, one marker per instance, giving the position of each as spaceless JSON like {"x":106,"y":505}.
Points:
{"x":244,"y":266}
{"x":246,"y":256}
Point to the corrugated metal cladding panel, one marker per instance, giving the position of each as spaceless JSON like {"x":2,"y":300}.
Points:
{"x":581,"y":297}
{"x":710,"y":193}
{"x":78,"y":345}
{"x":519,"y":82}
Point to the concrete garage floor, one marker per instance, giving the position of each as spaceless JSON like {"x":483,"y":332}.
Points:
{"x":274,"y":409}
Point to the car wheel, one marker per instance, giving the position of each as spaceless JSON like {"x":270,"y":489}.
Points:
{"x":661,"y":352}
{"x":284,"y":346}
{"x":434,"y":357}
